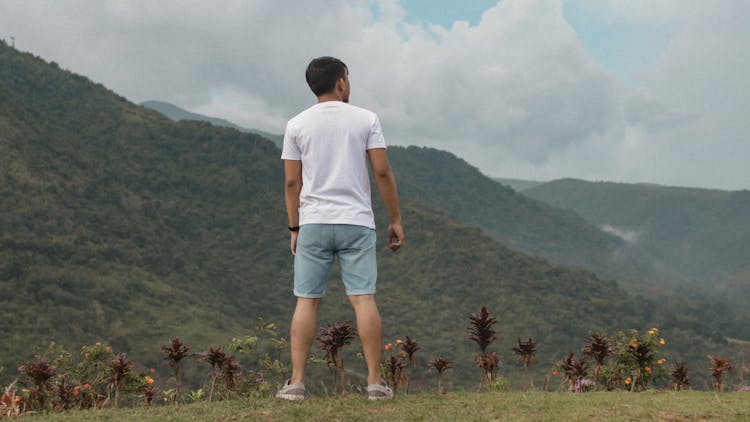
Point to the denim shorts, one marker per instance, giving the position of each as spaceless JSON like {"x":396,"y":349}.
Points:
{"x":318,"y":244}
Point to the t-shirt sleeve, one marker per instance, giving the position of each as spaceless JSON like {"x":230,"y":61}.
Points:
{"x":290,"y":149}
{"x":376,"y":139}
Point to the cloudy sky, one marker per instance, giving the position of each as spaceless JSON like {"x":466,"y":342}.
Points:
{"x":621,"y":90}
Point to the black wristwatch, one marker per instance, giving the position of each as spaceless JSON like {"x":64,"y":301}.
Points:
{"x":294,"y":229}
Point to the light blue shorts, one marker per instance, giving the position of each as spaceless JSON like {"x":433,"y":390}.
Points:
{"x":318,"y":244}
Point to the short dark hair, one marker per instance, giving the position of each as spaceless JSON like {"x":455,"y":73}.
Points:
{"x":322,"y":74}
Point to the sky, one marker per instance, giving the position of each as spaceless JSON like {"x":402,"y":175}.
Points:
{"x":619,"y":90}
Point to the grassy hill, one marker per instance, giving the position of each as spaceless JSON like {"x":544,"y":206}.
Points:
{"x":120,"y":225}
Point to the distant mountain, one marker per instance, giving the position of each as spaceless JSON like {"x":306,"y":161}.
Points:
{"x":702,"y":233}
{"x":118,"y":224}
{"x":447,"y":182}
{"x":518,"y":185}
{"x":177,"y":113}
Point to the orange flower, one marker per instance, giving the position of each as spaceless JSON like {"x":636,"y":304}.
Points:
{"x":648,"y":369}
{"x":662,"y":342}
{"x":661,"y":361}
{"x":633,"y":343}
{"x":388,"y":346}
{"x":152,"y":370}
{"x":108,"y":349}
{"x":149,"y":380}
{"x":627,"y":381}
{"x":554,"y":372}
{"x":87,"y":355}
{"x":86,"y":386}
{"x":398,"y":341}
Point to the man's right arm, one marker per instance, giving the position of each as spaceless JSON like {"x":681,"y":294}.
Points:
{"x":386,"y":183}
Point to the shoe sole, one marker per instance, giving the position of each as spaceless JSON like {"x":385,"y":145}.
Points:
{"x":292,"y":397}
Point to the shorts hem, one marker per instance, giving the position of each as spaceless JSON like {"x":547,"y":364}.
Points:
{"x":309,"y":296}
{"x":360,"y":292}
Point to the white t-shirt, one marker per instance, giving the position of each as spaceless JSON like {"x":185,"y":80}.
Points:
{"x":331,"y":139}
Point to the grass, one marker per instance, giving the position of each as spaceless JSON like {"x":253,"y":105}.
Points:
{"x":516,"y":406}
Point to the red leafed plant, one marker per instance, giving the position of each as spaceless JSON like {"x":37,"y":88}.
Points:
{"x":216,"y":358}
{"x":394,"y":368}
{"x":119,"y":368}
{"x":526,"y":351}
{"x":599,"y":348}
{"x":719,"y":367}
{"x":332,"y":339}
{"x":440,"y":365}
{"x":488,"y":362}
{"x":174,"y":353}
{"x":480,"y":329}
{"x":39,"y":372}
{"x":482,"y":333}
{"x":679,"y":376}
{"x":574,"y":370}
{"x":409,"y":347}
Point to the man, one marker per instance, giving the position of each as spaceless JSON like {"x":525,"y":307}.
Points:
{"x":328,"y":202}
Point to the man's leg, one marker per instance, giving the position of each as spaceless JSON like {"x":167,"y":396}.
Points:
{"x":302,"y":334}
{"x":370,"y":333}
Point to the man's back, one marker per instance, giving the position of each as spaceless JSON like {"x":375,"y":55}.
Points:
{"x":331,"y":140}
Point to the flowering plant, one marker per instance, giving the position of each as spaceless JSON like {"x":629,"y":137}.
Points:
{"x":636,"y":361}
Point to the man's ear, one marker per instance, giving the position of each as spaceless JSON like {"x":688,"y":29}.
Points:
{"x":340,"y":84}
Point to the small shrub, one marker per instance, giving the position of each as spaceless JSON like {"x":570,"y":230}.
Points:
{"x":719,"y":367}
{"x":174,"y":353}
{"x":332,"y":339}
{"x":481,"y":332}
{"x":679,"y":376}
{"x":526,"y":351}
{"x":440,"y":365}
{"x":599,"y":349}
{"x":409,"y":347}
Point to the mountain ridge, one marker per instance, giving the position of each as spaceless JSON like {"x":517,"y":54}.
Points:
{"x":177,"y":113}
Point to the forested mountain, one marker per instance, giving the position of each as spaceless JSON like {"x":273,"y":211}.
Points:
{"x":704,"y":234}
{"x":530,"y":226}
{"x":177,"y":113}
{"x":120,"y":225}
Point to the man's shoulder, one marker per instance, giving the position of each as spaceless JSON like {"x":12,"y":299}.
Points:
{"x":360,"y":110}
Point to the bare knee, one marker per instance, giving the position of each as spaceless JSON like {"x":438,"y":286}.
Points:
{"x":308,"y":303}
{"x":358,"y":300}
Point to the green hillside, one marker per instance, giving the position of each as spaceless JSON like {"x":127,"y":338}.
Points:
{"x":530,"y":226}
{"x":703,"y":234}
{"x":119,"y":225}
{"x":177,"y":113}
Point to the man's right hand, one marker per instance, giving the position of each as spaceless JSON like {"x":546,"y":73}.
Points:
{"x":395,"y":236}
{"x":293,"y":242}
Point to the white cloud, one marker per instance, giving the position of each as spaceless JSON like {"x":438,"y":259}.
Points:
{"x":626,"y":235}
{"x":516,"y":95}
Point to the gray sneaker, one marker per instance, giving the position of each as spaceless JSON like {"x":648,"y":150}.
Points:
{"x":379,"y":392}
{"x":294,"y":391}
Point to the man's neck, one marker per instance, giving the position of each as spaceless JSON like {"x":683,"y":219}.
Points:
{"x":329,"y":97}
